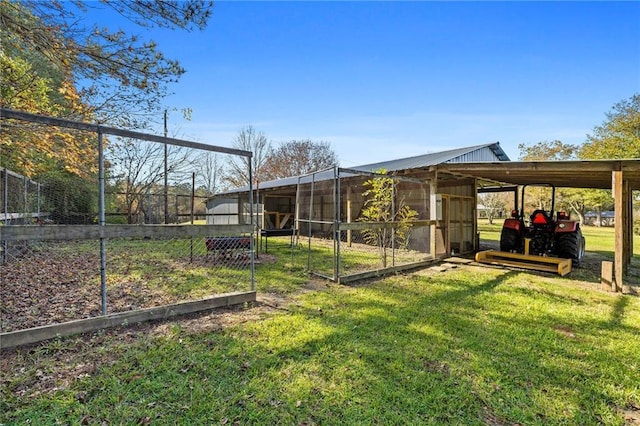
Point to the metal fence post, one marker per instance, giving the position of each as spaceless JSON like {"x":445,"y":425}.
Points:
{"x":192,"y":213}
{"x":313,"y":182}
{"x":25,"y":201}
{"x":336,"y":222}
{"x":6,"y":196}
{"x":38,"y":199}
{"x":5,"y":201}
{"x":252,"y":243}
{"x":101,"y":223}
{"x":393,"y":220}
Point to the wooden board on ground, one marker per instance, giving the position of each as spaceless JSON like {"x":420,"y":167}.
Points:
{"x":38,"y":334}
{"x":537,"y":263}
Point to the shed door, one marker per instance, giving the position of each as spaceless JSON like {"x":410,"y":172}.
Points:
{"x":460,"y":218}
{"x":454,"y":233}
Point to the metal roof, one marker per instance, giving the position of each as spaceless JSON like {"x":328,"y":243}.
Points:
{"x":435,"y":158}
{"x":493,"y":152}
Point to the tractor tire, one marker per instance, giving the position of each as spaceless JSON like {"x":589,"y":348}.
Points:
{"x":510,"y":240}
{"x":570,"y":245}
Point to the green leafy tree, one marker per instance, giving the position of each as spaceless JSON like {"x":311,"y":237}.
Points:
{"x":69,"y":198}
{"x":547,"y":151}
{"x":122,"y":75}
{"x":619,"y":135}
{"x":30,"y":149}
{"x":616,"y":138}
{"x":576,"y":200}
{"x":381,"y":206}
{"x":53,"y":62}
{"x":494,"y":204}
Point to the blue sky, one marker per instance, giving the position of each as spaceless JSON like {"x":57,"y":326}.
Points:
{"x":386,"y":80}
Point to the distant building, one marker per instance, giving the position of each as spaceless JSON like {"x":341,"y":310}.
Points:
{"x":606,"y":218}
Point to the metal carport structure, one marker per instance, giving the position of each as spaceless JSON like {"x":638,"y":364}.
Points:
{"x":621,"y":176}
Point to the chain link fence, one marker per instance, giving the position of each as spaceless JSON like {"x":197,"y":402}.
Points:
{"x":21,"y":198}
{"x":126,"y":232}
{"x":355,"y":224}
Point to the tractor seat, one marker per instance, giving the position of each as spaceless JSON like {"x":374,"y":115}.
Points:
{"x":541,"y":217}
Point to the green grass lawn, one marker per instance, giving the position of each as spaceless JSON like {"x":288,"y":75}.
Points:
{"x":467,"y":346}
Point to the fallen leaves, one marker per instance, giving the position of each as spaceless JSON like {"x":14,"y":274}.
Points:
{"x":52,"y":286}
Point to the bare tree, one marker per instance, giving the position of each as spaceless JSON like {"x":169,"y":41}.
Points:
{"x":299,"y":157}
{"x":248,"y":139}
{"x":211,"y":178}
{"x":137,"y":170}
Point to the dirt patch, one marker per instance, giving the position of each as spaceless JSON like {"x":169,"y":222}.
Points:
{"x":630,"y":414}
{"x":565,"y":331}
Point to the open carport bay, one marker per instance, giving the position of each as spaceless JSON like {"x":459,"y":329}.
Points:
{"x":622,"y":177}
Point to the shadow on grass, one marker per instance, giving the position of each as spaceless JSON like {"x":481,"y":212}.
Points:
{"x":617,"y":313}
{"x":524,"y":364}
{"x":454,"y":348}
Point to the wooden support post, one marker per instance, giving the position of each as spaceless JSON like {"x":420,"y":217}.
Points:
{"x":433,"y":190}
{"x":322,"y":217}
{"x":474,"y":213}
{"x":446,"y":204}
{"x":606,"y":277}
{"x":619,"y":238}
{"x":628,"y":199}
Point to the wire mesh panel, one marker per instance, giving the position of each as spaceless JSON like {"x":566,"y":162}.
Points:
{"x":317,"y":204}
{"x":21,"y":201}
{"x":45,"y":282}
{"x":158,"y":271}
{"x":354,"y":222}
{"x":126,"y":229}
{"x":322,"y":255}
{"x":378,"y":247}
{"x":386,"y":223}
{"x":148,"y":184}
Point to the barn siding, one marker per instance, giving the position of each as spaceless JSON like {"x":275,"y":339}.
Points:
{"x":482,"y":154}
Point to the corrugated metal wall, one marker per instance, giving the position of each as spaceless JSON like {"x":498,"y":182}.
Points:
{"x":483,"y":154}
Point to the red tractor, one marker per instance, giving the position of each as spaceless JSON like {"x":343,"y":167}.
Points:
{"x":549,"y":234}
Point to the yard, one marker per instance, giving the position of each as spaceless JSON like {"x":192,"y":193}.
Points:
{"x":457,"y":344}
